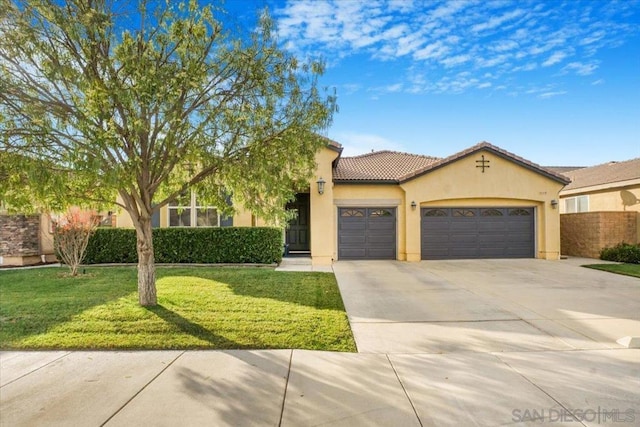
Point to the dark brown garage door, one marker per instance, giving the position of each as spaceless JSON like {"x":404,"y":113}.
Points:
{"x":366,"y":233}
{"x":462,"y":233}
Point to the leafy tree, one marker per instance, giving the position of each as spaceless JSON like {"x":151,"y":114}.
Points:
{"x":142,"y":101}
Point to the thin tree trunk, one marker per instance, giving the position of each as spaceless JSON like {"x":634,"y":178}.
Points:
{"x":146,"y":264}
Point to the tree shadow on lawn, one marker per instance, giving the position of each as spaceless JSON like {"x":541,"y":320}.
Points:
{"x":312,"y":289}
{"x":188,"y":327}
{"x":35,"y":301}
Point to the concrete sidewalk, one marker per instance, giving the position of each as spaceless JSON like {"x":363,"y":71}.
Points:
{"x":306,"y":388}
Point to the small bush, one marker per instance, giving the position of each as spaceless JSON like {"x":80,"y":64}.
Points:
{"x":622,"y":252}
{"x":237,"y":245}
{"x":71,"y":233}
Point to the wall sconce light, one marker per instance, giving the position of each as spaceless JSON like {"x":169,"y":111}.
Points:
{"x":554,"y":203}
{"x":413,"y":205}
{"x":320,"y":183}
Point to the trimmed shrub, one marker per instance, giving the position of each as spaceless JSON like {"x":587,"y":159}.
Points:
{"x":234,"y":245}
{"x":622,"y":252}
{"x":112,"y":245}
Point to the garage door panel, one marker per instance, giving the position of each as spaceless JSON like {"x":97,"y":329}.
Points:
{"x":492,"y":226}
{"x":463,"y":238}
{"x":350,"y":224}
{"x":382,"y":240}
{"x":367,"y":233}
{"x":492,"y":232}
{"x":383,"y":226}
{"x":351,"y":240}
{"x":353,"y":253}
{"x":381,"y":253}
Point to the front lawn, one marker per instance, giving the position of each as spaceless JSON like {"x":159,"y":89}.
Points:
{"x":198,"y":307}
{"x":627,"y":269}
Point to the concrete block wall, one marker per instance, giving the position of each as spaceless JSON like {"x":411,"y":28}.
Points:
{"x":585,"y":234}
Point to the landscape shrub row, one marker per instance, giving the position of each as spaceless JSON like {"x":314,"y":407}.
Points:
{"x":623,"y":252}
{"x":260,"y":245}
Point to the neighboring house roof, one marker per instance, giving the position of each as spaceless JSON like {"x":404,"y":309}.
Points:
{"x":391,"y":166}
{"x":606,"y":173}
{"x":563,"y":169}
{"x":379,"y":166}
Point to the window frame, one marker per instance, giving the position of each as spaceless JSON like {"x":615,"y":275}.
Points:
{"x":193,"y":213}
{"x":575,"y":200}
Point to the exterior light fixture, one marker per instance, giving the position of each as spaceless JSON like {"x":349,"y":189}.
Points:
{"x":413,"y":205}
{"x":320,"y":183}
{"x":554,"y":203}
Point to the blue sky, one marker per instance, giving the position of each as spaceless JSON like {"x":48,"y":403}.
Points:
{"x":555,"y":82}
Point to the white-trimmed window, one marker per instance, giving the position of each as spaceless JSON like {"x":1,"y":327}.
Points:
{"x":576,"y":204}
{"x":186,"y":212}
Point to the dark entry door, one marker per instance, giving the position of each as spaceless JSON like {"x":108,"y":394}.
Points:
{"x":297,"y":233}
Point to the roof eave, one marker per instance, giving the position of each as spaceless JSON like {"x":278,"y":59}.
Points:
{"x":488,"y":147}
{"x":366,"y":181}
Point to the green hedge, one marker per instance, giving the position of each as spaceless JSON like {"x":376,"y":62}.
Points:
{"x":622,"y":252}
{"x":260,"y":245}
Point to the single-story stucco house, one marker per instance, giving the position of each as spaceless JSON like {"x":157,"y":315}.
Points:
{"x":483,"y":202}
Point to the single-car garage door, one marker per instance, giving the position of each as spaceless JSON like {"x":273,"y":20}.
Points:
{"x":462,"y":233}
{"x":367,"y":233}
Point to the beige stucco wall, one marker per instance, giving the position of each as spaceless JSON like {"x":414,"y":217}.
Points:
{"x":46,"y":237}
{"x":608,"y":199}
{"x":322,"y":215}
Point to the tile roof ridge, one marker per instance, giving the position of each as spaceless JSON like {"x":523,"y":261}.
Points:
{"x":613,"y":162}
{"x":373,"y":153}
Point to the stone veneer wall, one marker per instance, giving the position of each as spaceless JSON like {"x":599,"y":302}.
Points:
{"x":19,"y":235}
{"x":585,"y":234}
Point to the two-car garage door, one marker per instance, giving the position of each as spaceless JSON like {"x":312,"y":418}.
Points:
{"x":463,"y":233}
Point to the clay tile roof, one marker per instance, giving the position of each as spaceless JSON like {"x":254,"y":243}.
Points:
{"x":392,"y":166}
{"x":380,"y":166}
{"x":606,"y":173}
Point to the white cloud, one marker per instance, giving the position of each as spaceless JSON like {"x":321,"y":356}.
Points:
{"x":554,"y":58}
{"x":581,"y":68}
{"x":504,"y":45}
{"x":440,"y":38}
{"x":547,"y":95}
{"x":431,"y":51}
{"x":455,"y":60}
{"x":497,"y":21}
{"x":597,"y":82}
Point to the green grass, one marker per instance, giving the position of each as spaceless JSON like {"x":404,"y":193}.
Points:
{"x":203,"y":308}
{"x":626,"y":269}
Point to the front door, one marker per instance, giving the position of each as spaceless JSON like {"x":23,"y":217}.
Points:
{"x":297,"y":233}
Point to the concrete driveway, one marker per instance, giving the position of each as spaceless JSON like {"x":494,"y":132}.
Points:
{"x":486,"y":306}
